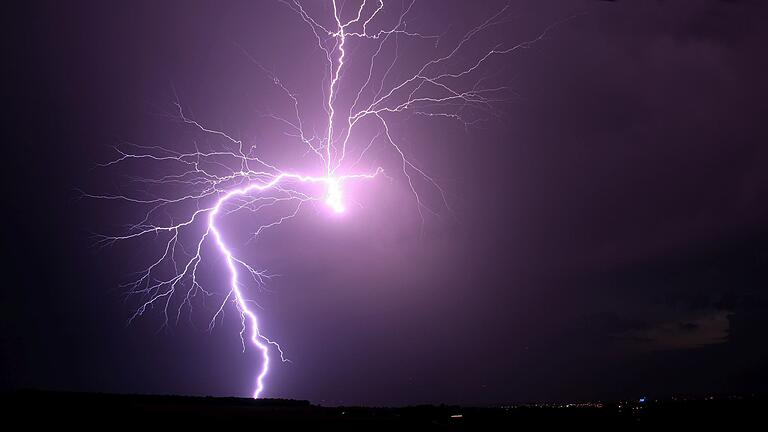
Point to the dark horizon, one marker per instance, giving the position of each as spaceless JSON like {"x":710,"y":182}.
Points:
{"x":66,"y":396}
{"x":608,"y":238}
{"x":92,"y":409}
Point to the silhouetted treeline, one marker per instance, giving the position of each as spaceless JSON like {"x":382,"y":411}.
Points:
{"x":59,"y":409}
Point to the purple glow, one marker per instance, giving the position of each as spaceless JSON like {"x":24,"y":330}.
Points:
{"x":447,"y":86}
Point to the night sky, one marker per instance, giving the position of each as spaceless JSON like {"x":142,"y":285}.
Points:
{"x":608,"y":235}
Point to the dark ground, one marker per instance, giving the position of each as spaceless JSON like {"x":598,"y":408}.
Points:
{"x":94,"y":409}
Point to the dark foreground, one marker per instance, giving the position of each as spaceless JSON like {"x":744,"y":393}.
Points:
{"x":109,"y":410}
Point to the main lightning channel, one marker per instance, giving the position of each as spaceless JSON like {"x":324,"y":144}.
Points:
{"x":333,"y":200}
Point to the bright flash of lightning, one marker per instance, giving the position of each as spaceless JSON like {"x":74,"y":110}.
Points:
{"x":333,"y":200}
{"x":234,"y":178}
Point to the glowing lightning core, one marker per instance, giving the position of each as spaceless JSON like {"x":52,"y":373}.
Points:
{"x":446,"y":86}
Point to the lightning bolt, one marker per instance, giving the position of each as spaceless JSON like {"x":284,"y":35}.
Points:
{"x":233,"y":178}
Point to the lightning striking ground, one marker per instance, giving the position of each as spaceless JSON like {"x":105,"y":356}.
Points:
{"x":233,"y":178}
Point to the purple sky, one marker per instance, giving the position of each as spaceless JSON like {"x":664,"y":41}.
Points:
{"x":608,"y":237}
